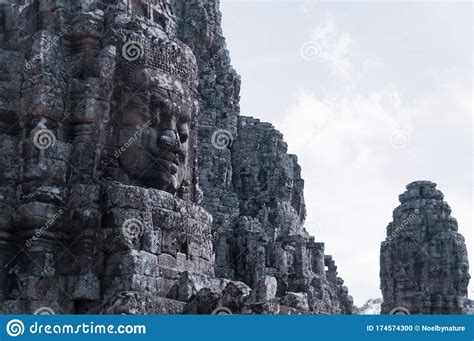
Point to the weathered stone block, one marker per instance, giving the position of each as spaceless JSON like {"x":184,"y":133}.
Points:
{"x":152,"y":241}
{"x":265,"y":290}
{"x":170,"y":243}
{"x":131,"y":262}
{"x":138,"y":283}
{"x":167,"y":219}
{"x":91,"y":110}
{"x":39,"y":288}
{"x":166,"y":287}
{"x":296,"y":300}
{"x":122,"y":196}
{"x":84,"y":287}
{"x":234,"y":296}
{"x":190,"y":284}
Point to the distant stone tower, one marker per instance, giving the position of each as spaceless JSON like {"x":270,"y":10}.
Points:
{"x":424,"y":267}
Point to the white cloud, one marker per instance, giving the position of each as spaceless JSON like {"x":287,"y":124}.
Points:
{"x":335,"y":49}
{"x":352,"y":169}
{"x":352,"y":129}
{"x":343,"y":108}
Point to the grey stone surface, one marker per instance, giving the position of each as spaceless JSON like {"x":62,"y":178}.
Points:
{"x":424,"y":261}
{"x":265,"y":290}
{"x":296,"y":300}
{"x":129,"y":181}
{"x":251,"y":186}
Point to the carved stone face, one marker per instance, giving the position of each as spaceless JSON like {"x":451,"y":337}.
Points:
{"x":156,"y":120}
{"x":285,"y":185}
{"x":247,"y":182}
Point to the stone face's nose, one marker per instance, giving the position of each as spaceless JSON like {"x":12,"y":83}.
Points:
{"x":169,"y":140}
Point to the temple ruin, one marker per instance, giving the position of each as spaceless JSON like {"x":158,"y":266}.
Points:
{"x":131,"y":184}
{"x":424,"y":263}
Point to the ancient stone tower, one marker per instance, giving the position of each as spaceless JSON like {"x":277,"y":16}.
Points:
{"x":120,"y":188}
{"x":424,"y":267}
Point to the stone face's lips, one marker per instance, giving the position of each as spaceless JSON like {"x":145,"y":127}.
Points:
{"x":166,"y":166}
{"x":163,"y":155}
{"x":164,"y":161}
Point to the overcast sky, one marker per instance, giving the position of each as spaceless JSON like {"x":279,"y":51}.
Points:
{"x":370,"y":96}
